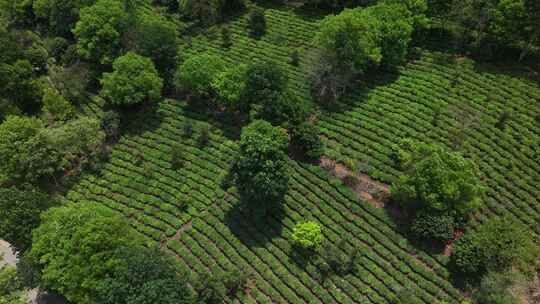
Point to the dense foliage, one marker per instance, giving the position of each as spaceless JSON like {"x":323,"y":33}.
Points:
{"x":262,"y":173}
{"x":76,"y":248}
{"x":134,"y":80}
{"x":498,"y":244}
{"x":435,"y":179}
{"x":145,"y":276}
{"x":307,"y":235}
{"x":20,"y":210}
{"x":198,"y":72}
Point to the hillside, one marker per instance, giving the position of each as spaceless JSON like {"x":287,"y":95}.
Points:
{"x":435,"y":98}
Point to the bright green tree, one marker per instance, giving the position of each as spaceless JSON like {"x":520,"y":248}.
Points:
{"x":307,"y":235}
{"x":230,"y":86}
{"x":198,"y":72}
{"x":435,"y":179}
{"x":134,"y":80}
{"x":262,"y":173}
{"x":76,"y":247}
{"x":20,"y":209}
{"x":100,"y":29}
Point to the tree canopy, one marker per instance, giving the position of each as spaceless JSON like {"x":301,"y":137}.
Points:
{"x":134,"y":80}
{"x":261,"y":168}
{"x":20,"y":209}
{"x":76,"y":247}
{"x":100,"y":29}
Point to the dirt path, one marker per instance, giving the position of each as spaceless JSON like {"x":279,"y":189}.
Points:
{"x":368,"y":189}
{"x":8,"y":256}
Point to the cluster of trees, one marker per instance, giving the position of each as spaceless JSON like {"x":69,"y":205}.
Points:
{"x":362,"y":39}
{"x":438,"y":186}
{"x":440,"y":189}
{"x":488,"y":25}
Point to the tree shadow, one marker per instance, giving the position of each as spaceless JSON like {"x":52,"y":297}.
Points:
{"x":252,"y":227}
{"x":138,"y":119}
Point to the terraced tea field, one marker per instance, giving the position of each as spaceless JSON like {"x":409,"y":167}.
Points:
{"x":434,"y":98}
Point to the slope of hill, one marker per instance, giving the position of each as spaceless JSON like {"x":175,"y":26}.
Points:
{"x":434,"y":98}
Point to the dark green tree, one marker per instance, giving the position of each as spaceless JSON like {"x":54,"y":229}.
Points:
{"x":306,"y":137}
{"x":60,"y":15}
{"x":20,"y":210}
{"x":265,"y":82}
{"x":497,"y":245}
{"x":155,"y":38}
{"x":145,"y":276}
{"x":257,"y":23}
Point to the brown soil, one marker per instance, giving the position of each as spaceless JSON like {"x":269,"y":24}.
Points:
{"x":368,"y":189}
{"x":449,"y":248}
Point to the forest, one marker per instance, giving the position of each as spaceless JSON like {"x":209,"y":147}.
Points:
{"x":270,"y":151}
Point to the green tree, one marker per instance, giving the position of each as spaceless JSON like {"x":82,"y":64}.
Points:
{"x":257,"y":23}
{"x":497,"y":245}
{"x":155,"y":38}
{"x":265,"y":82}
{"x":262,"y":173}
{"x":100,"y":29}
{"x":145,"y":276}
{"x":134,"y":80}
{"x":20,"y":209}
{"x":11,"y":289}
{"x":198,"y":72}
{"x":61,"y":15}
{"x":306,"y":137}
{"x":287,"y":109}
{"x":230,"y":86}
{"x":76,"y":247}
{"x":23,"y":155}
{"x":56,"y":107}
{"x":495,"y":289}
{"x":433,"y":226}
{"x":307,"y":235}
{"x":435,"y":179}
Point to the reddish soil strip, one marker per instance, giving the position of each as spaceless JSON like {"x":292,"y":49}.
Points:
{"x":368,"y":189}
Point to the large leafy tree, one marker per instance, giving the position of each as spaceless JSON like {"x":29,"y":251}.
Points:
{"x":265,"y":82}
{"x":198,"y":72}
{"x":145,"y":276}
{"x":155,"y":38}
{"x":134,"y":80}
{"x":435,"y":179}
{"x":497,"y":245}
{"x":100,"y":29}
{"x":261,"y":169}
{"x":20,"y":209}
{"x":23,"y":154}
{"x":76,"y":248}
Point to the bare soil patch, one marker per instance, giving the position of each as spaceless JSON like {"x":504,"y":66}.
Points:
{"x":368,"y":189}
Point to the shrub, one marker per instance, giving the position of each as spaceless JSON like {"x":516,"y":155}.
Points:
{"x":494,"y":289}
{"x":56,"y":107}
{"x":110,"y":123}
{"x":187,"y":129}
{"x":307,"y":235}
{"x":497,"y":245}
{"x":430,"y":226}
{"x":204,"y":137}
{"x":294,"y":57}
{"x":257,"y":23}
{"x":177,"y":157}
{"x":306,"y":137}
{"x":226,"y":37}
